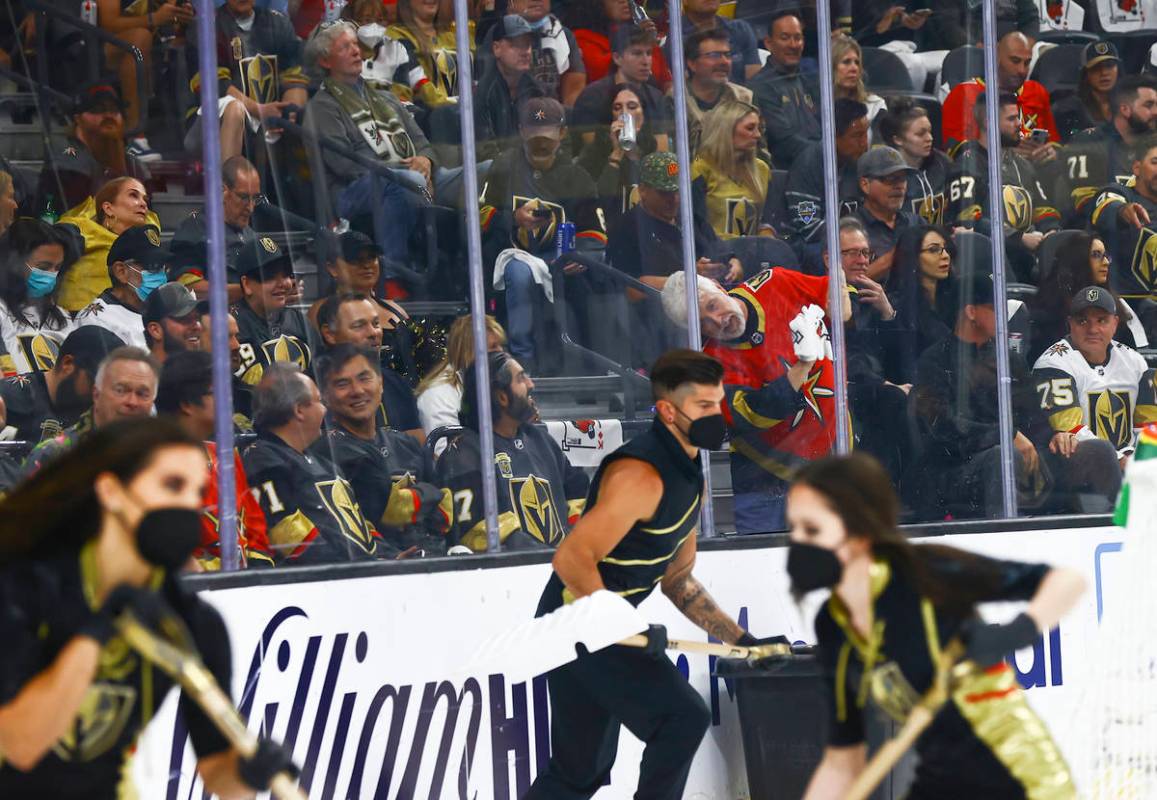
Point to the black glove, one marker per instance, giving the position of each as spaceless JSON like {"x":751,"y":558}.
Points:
{"x":270,"y":760}
{"x":656,"y":641}
{"x":987,"y":644}
{"x":145,"y":604}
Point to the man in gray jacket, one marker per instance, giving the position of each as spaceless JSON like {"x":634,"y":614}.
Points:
{"x":787,"y":100}
{"x":372,"y":124}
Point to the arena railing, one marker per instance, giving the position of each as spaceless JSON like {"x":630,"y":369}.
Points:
{"x":93,"y":54}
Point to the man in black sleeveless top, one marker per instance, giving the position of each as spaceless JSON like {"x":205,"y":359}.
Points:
{"x":638,"y":532}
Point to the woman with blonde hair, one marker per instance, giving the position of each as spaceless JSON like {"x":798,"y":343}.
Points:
{"x":848,"y":75}
{"x":427,"y":29}
{"x":439,"y":394}
{"x":120,"y":204}
{"x":729,"y":181}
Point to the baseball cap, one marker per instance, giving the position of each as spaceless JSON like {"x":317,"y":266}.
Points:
{"x":172,"y":300}
{"x":511,"y":26}
{"x":355,"y":245}
{"x":879,"y":162}
{"x":977,"y":289}
{"x":96,"y":94}
{"x":88,"y":345}
{"x":660,"y":171}
{"x":263,"y":255}
{"x":1093,"y":297}
{"x":141,"y":244}
{"x":1098,"y":52}
{"x":541,"y":116}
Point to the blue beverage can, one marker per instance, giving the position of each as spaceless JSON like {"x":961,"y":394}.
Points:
{"x":564,"y":238}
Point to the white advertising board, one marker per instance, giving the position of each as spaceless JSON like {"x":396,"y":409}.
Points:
{"x":362,"y":676}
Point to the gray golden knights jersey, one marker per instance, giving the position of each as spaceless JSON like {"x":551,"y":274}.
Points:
{"x":540,"y":495}
{"x":1106,"y":401}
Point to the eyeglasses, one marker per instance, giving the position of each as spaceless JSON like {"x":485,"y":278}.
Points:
{"x":717,"y":55}
{"x":853,"y":252}
{"x":1100,"y":255}
{"x":936,"y":249}
{"x":248,"y":199}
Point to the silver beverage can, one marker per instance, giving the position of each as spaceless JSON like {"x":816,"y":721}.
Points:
{"x":628,"y":136}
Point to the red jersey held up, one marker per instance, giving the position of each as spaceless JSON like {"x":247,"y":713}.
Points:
{"x":774,"y":428}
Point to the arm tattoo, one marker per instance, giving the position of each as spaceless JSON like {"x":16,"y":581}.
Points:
{"x":697,"y":605}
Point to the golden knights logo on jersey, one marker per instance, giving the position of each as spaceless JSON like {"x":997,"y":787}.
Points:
{"x":259,"y":78}
{"x":892,"y":692}
{"x":338,"y":499}
{"x":1111,"y":416}
{"x":445,"y":73}
{"x":40,"y":350}
{"x":543,"y":235}
{"x":532,"y":499}
{"x":1018,"y":208}
{"x":1144,"y":265}
{"x":742,"y":216}
{"x":105,"y":710}
{"x":101,"y":719}
{"x":930,"y":208}
{"x":285,"y":348}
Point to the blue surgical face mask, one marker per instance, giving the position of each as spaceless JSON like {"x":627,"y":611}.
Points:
{"x":40,"y":282}
{"x":151,"y":281}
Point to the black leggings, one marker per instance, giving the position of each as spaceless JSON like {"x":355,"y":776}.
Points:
{"x":591,"y":697}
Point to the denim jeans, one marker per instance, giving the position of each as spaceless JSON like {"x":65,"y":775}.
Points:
{"x":521,"y":294}
{"x":764,"y":511}
{"x":397,"y":214}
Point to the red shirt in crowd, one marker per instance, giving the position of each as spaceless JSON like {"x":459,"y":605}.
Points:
{"x":958,"y":124}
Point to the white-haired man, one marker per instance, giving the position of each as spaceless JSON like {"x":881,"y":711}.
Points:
{"x":779,"y":383}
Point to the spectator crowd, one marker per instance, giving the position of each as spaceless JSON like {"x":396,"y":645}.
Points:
{"x":345,"y":218}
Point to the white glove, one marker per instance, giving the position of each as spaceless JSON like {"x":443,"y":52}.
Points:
{"x":817,"y":314}
{"x":807,"y":334}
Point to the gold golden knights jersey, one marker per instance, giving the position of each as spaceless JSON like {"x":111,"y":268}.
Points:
{"x":1105,"y":401}
{"x":733,"y":210}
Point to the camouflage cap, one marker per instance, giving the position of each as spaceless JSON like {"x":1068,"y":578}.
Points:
{"x":660,"y":171}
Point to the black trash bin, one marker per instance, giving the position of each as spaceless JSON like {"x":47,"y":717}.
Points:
{"x":783,"y":721}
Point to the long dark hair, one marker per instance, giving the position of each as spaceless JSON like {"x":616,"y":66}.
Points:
{"x":1072,"y":272}
{"x":859,"y":490}
{"x":16,"y":245}
{"x":57,"y":510}
{"x":593,"y":157}
{"x":903,"y":284}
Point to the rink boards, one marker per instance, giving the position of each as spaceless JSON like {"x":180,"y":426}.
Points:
{"x":363,"y":675}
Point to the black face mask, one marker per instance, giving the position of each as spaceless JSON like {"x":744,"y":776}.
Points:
{"x":706,"y":433}
{"x":811,"y":567}
{"x":166,"y":537}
